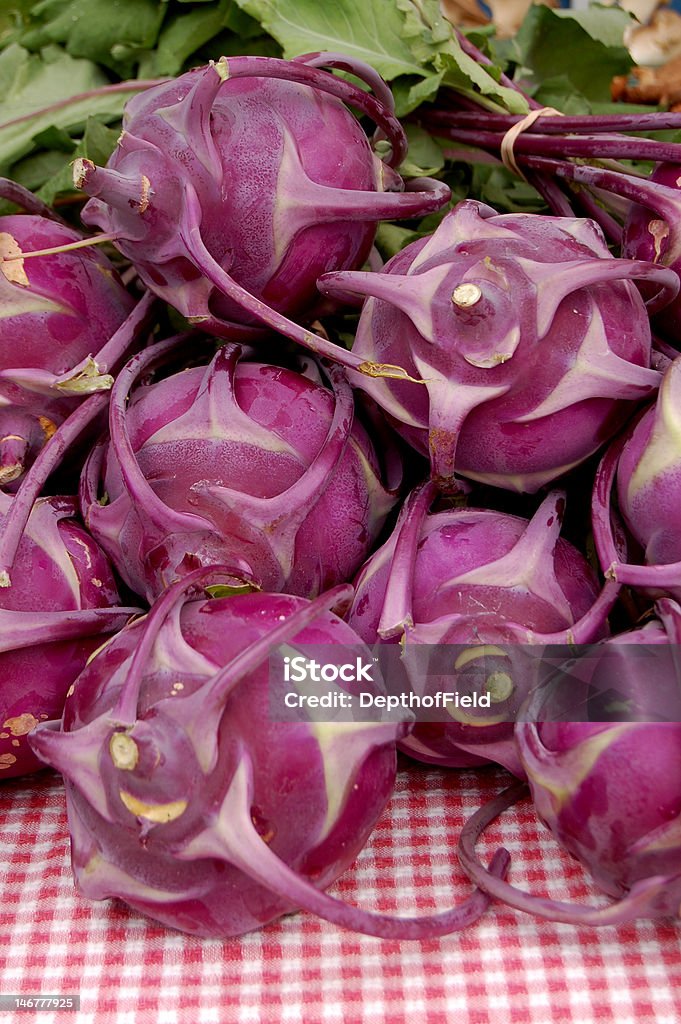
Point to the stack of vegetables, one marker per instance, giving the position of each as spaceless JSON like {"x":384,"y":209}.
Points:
{"x":277,"y":440}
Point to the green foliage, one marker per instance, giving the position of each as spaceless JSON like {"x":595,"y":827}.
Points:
{"x":53,"y":51}
{"x":584,"y":47}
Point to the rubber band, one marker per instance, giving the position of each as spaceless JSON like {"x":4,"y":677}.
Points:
{"x":508,"y":141}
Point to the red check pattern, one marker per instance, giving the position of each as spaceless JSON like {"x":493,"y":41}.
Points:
{"x":507,"y":969}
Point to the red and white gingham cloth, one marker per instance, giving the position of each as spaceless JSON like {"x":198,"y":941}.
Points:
{"x":508,"y":968}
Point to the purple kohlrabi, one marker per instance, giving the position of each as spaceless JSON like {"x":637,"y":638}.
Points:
{"x":610,"y":791}
{"x":645,"y":465}
{"x":488,"y":584}
{"x":32,"y":445}
{"x":62,"y":599}
{"x":648,"y":236}
{"x":190,"y":799}
{"x":526,"y":342}
{"x":58,"y":311}
{"x":238,"y":463}
{"x":22,"y":436}
{"x":235,"y":186}
{"x":63,"y":315}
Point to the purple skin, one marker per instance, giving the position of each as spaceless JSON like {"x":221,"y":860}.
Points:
{"x":36,"y":440}
{"x":647,"y":236}
{"x":188,"y":801}
{"x":481,"y":578}
{"x":62,"y":601}
{"x":237,"y":463}
{"x":525,"y":343}
{"x":645,"y":466}
{"x":58,"y":311}
{"x":234,"y":235}
{"x":610,"y":792}
{"x":59,"y":314}
{"x":22,"y":436}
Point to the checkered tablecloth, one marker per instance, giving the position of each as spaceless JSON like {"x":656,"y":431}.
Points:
{"x":507,"y":968}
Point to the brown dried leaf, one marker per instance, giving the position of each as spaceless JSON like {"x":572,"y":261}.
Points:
{"x":12,"y":269}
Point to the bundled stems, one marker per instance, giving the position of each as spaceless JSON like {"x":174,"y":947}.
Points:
{"x":546,"y":149}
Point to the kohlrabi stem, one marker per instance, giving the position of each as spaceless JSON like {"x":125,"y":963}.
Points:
{"x":190,"y":230}
{"x":587,"y":629}
{"x":596,"y":147}
{"x":125,"y":710}
{"x":49,"y":457}
{"x":397,"y":611}
{"x":280,"y":516}
{"x":209,"y":697}
{"x":664,"y":201}
{"x":637,"y":903}
{"x":20,"y":629}
{"x":604,"y":539}
{"x":82,"y":243}
{"x":575,"y":274}
{"x":610,"y":227}
{"x":15,"y":193}
{"x":14,"y":449}
{"x":254,"y":857}
{"x":551,"y":193}
{"x":421,"y":196}
{"x":563,"y":206}
{"x":117,"y":347}
{"x":141,"y":490}
{"x":307,"y":74}
{"x":668,"y":612}
{"x":201,"y":709}
{"x":353,"y":66}
{"x":575,"y":124}
{"x":662,"y":346}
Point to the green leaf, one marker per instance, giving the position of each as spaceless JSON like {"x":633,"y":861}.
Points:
{"x":425,"y":156}
{"x":424,"y":27}
{"x":32,"y":84}
{"x":218,"y":590}
{"x":559,"y":92}
{"x":391,"y":238}
{"x":229,"y":44}
{"x":424,"y":91}
{"x":14,"y":17}
{"x":411,"y":92}
{"x":185,"y":33}
{"x":33,"y":171}
{"x":434,"y":41}
{"x":462,"y":72}
{"x":242,"y":24}
{"x":408,"y":37}
{"x":107,"y":32}
{"x":97,"y":144}
{"x":550,"y":45}
{"x":54,"y":138}
{"x":504,"y":191}
{"x":607,"y":25}
{"x":29,"y":82}
{"x":371,"y":30}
